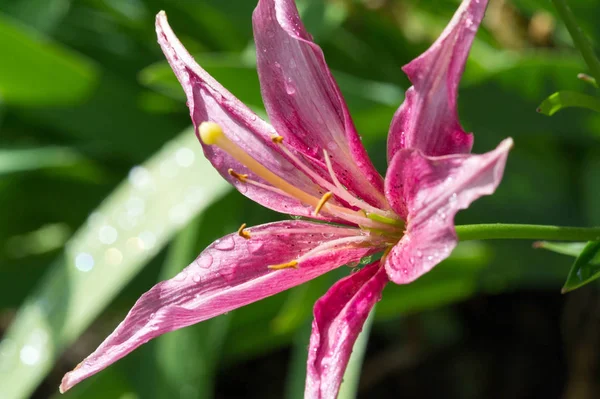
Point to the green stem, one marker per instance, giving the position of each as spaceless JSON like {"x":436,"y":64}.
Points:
{"x":579,"y":39}
{"x":496,"y":231}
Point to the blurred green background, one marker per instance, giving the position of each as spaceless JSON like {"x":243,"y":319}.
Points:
{"x":104,"y":191}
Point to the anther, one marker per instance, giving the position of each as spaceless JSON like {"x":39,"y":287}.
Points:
{"x":243,"y":233}
{"x":291,"y":264}
{"x":322,"y":202}
{"x":210,"y":132}
{"x":240,"y":176}
{"x":277,"y":139}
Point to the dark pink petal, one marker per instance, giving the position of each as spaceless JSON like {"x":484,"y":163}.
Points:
{"x":230,"y":273}
{"x":209,"y":101}
{"x":339,"y":317}
{"x":428,"y":120}
{"x":428,"y":192}
{"x":303,"y":101}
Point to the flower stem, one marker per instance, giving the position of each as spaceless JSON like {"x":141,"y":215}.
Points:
{"x":494,"y":231}
{"x":579,"y":39}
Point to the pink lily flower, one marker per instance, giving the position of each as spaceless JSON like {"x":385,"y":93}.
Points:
{"x":310,"y":162}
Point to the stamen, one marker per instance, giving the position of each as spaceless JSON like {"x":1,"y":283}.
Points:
{"x":240,"y":176}
{"x":242,"y":233}
{"x":322,"y":202}
{"x":291,"y":264}
{"x":277,"y":139}
{"x":212,"y":134}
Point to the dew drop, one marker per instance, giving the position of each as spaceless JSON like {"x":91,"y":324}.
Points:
{"x":30,"y":355}
{"x":255,"y":246}
{"x":196,"y":278}
{"x":84,"y":262}
{"x":225,"y":244}
{"x":290,"y":88}
{"x":205,"y":261}
{"x":181,"y":276}
{"x":453,"y":198}
{"x":184,"y":157}
{"x":419,"y":254}
{"x":107,"y":234}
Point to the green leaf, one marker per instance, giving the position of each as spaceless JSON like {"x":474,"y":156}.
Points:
{"x":587,"y":79}
{"x":26,"y":159}
{"x":564,"y":248}
{"x":120,"y":237}
{"x":585,"y":269}
{"x":566,"y":99}
{"x":36,"y":71}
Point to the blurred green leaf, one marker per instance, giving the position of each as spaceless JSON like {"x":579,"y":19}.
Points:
{"x":587,"y":79}
{"x":24,"y":159}
{"x":43,"y":15}
{"x":585,"y":269}
{"x":126,"y":231}
{"x":36,"y":71}
{"x":564,"y":248}
{"x":566,"y":99}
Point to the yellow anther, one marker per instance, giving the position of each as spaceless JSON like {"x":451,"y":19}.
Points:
{"x":322,"y":202}
{"x":210,"y":132}
{"x":291,"y":264}
{"x":240,"y":176}
{"x":277,"y":139}
{"x":243,"y":233}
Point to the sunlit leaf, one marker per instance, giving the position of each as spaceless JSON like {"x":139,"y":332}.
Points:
{"x":36,"y":71}
{"x":126,"y":231}
{"x":566,"y":99}
{"x":585,"y":269}
{"x":564,"y":248}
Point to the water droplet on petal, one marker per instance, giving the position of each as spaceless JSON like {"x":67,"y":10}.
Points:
{"x":290,"y":88}
{"x":181,"y":276}
{"x":225,"y":244}
{"x":205,"y":261}
{"x":255,"y":246}
{"x":196,"y":278}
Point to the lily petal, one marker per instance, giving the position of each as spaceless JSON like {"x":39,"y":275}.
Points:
{"x":339,"y":317}
{"x":428,"y":119}
{"x":304,"y":102}
{"x":230,"y":273}
{"x":209,"y":101}
{"x":428,"y":192}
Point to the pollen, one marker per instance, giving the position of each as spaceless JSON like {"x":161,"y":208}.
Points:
{"x":239,"y":176}
{"x":243,"y":233}
{"x":322,"y":202}
{"x":210,"y":132}
{"x":291,"y":264}
{"x":277,"y":139}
